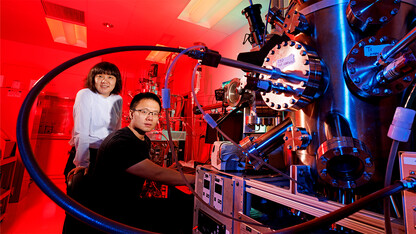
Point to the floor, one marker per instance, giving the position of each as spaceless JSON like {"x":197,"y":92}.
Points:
{"x":35,"y":213}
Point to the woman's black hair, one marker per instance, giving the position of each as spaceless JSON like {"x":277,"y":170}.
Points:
{"x":142,"y":96}
{"x":104,"y":68}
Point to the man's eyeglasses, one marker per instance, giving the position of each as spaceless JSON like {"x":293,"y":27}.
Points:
{"x":145,"y":112}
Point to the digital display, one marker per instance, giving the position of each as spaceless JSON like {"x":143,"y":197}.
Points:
{"x":218,"y":189}
{"x":206,"y":184}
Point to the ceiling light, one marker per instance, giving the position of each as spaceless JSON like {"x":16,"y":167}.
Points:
{"x":207,"y":13}
{"x":67,"y":33}
{"x":158,"y":56}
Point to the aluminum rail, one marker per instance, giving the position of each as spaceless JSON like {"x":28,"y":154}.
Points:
{"x":362,"y":221}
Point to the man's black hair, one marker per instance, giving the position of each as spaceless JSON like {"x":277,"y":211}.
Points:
{"x":142,"y":96}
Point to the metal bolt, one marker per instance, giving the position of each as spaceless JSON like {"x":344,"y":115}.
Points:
{"x":298,"y":47}
{"x":306,"y":62}
{"x":297,"y":147}
{"x":383,"y":39}
{"x":368,"y":162}
{"x":292,"y":101}
{"x":361,"y":44}
{"x":394,"y":11}
{"x":366,"y":176}
{"x":412,"y":172}
{"x":355,"y":51}
{"x":289,"y":129}
{"x":303,"y":83}
{"x":407,"y":79}
{"x":336,"y":152}
{"x":323,"y":173}
{"x":334,"y":183}
{"x":267,"y":100}
{"x":306,"y":73}
{"x":272,"y":52}
{"x":285,"y":105}
{"x":279,"y":106}
{"x":376,"y":91}
{"x":272,"y":104}
{"x":372,"y":39}
{"x":267,"y":59}
{"x":353,"y":3}
{"x":366,"y":87}
{"x":355,"y":152}
{"x":303,"y":53}
{"x":357,"y":80}
{"x":351,"y":60}
{"x":383,"y":19}
{"x":351,"y":70}
{"x":292,"y":43}
{"x":289,"y":147}
{"x":387,"y":91}
{"x":323,"y":160}
{"x":286,"y":138}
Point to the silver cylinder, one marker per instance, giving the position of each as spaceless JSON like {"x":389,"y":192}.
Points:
{"x":368,"y":119}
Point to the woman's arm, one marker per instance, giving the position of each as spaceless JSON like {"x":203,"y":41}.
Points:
{"x":82,"y":121}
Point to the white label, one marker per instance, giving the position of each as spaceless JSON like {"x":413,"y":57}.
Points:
{"x":373,"y":50}
{"x":409,"y":161}
{"x":284,"y":62}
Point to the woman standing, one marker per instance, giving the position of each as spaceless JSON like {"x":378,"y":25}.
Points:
{"x":97,"y":113}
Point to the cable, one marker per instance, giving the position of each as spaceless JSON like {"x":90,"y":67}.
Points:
{"x":344,"y":211}
{"x":267,"y":21}
{"x":44,"y":183}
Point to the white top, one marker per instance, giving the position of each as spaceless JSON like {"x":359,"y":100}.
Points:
{"x":95,"y":117}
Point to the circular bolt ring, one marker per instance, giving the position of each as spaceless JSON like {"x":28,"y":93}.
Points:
{"x":338,"y":149}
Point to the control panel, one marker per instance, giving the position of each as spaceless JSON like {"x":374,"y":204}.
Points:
{"x":206,"y":190}
{"x":216,"y":188}
{"x":218,"y":191}
{"x":408,"y":168}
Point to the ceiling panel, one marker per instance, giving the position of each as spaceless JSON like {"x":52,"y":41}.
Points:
{"x":136,"y":22}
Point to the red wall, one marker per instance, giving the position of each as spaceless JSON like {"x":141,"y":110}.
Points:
{"x":23,"y":64}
